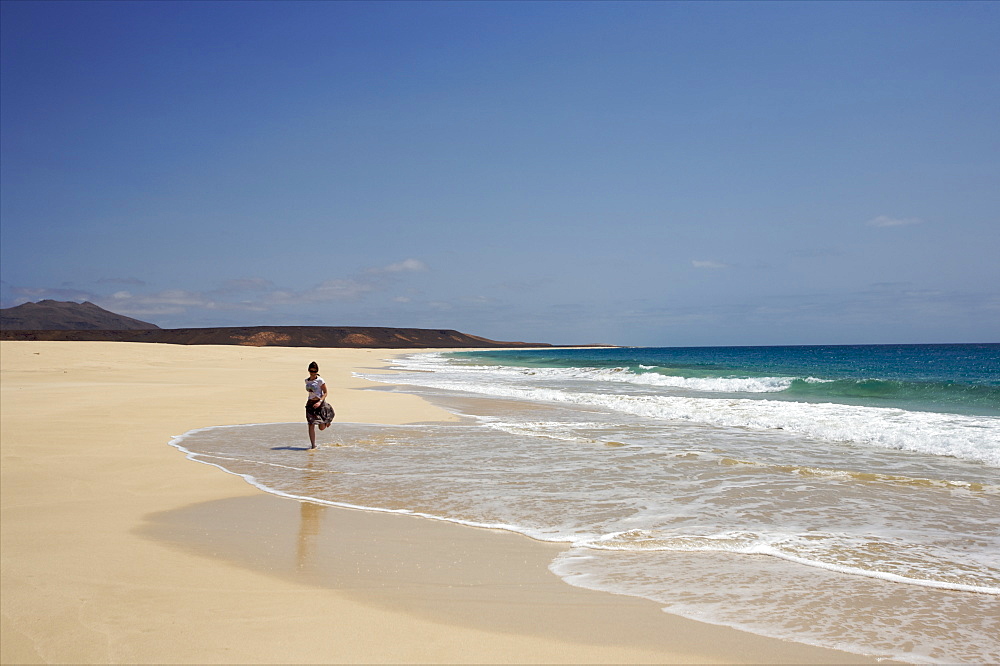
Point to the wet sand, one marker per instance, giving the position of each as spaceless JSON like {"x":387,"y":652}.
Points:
{"x":116,"y":548}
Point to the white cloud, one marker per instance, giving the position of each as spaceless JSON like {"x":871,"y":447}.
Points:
{"x":886,"y":221}
{"x":336,"y":290}
{"x":708,"y":264}
{"x":25,"y":294}
{"x":440,"y":305}
{"x":244,"y":294}
{"x":247,"y":284}
{"x":181,"y":297}
{"x":169,"y":301}
{"x":135,"y":282}
{"x":407,"y":265}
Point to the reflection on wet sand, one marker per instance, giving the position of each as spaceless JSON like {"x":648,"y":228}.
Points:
{"x":311,"y":515}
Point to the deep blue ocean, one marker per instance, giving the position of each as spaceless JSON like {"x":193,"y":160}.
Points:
{"x":841,"y":496}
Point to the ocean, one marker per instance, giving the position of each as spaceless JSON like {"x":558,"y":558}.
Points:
{"x":839,"y":496}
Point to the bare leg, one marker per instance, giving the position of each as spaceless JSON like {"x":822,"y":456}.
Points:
{"x":312,"y":436}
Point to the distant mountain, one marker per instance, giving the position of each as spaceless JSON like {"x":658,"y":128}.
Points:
{"x":67,"y":316}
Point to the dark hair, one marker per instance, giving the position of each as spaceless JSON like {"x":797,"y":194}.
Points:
{"x":313,"y":366}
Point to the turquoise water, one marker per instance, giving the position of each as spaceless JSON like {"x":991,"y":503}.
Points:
{"x":845,"y":497}
{"x":961,"y":379}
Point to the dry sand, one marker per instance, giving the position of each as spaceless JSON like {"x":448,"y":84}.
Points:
{"x":115,"y":548}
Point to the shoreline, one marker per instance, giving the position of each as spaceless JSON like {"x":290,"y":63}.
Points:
{"x":117,"y":548}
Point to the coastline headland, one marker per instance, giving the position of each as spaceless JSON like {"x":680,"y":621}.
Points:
{"x":355,"y":337}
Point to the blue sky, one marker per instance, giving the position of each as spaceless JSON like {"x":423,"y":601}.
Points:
{"x":570,"y":172}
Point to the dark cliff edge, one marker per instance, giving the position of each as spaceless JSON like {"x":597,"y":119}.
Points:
{"x":278,"y":336}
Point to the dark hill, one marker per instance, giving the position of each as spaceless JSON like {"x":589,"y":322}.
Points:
{"x":280,"y":336}
{"x":57,"y":320}
{"x":67,"y":316}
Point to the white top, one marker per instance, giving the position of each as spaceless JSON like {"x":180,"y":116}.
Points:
{"x":315,"y":388}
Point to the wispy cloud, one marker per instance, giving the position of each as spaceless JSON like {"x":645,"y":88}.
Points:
{"x":252,"y":294}
{"x":440,"y":305}
{"x":166,"y":302}
{"x":886,"y":221}
{"x":818,"y":253}
{"x":128,"y":281}
{"x":405,"y":266}
{"x":240,"y":285}
{"x":708,"y":264}
{"x":331,"y":290}
{"x":879,"y":313}
{"x":25,"y":294}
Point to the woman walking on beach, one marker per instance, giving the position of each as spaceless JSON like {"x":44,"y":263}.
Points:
{"x":318,"y":410}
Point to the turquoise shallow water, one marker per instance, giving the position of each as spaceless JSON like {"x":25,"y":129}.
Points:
{"x":963,"y":379}
{"x":771,"y":489}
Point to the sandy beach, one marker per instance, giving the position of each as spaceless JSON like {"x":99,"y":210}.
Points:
{"x":116,"y":548}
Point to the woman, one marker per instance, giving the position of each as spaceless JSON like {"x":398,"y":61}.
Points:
{"x":318,"y":410}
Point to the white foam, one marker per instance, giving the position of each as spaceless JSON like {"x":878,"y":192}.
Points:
{"x":671,"y":504}
{"x":974,"y":438}
{"x":619,"y":375}
{"x":256,"y":483}
{"x":771,"y":602}
{"x":774,"y":546}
